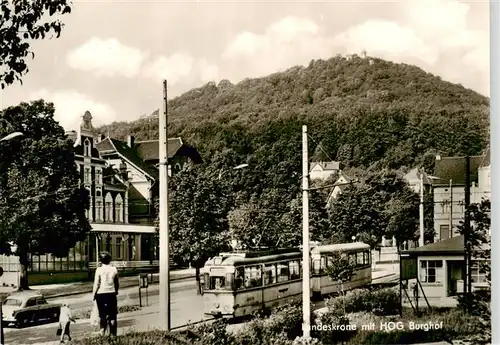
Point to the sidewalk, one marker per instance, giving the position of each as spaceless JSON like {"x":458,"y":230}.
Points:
{"x":63,"y":290}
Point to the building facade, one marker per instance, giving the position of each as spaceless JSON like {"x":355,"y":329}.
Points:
{"x":122,"y":180}
{"x":449,"y":191}
{"x":323,"y":170}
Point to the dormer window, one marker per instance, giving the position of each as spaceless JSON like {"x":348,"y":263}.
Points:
{"x":86,"y":148}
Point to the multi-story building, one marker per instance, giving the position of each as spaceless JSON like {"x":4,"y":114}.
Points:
{"x":449,"y":190}
{"x":122,"y":187}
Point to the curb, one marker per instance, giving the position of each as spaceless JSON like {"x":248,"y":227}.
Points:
{"x":122,"y":286}
{"x":384,"y":276}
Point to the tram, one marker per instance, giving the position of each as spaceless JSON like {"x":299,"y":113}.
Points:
{"x":238,"y":284}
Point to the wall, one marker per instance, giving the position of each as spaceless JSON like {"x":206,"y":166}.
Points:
{"x":436,"y":290}
{"x":442,"y":210}
{"x":443,"y":194}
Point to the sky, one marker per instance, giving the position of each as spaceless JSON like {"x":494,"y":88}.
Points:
{"x":113,"y":55}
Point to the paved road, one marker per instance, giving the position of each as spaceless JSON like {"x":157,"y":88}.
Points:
{"x":186,"y":307}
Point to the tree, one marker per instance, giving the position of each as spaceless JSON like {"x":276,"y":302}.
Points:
{"x":197,"y":212}
{"x":356,"y":212}
{"x":382,"y":204}
{"x":20,"y":22}
{"x":341,"y":270}
{"x":42,"y":205}
{"x":403,"y":221}
{"x":479,"y":249}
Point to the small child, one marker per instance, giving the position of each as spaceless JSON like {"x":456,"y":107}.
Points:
{"x":64,"y":321}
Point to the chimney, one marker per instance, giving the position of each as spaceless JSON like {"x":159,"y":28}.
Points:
{"x":130,"y":141}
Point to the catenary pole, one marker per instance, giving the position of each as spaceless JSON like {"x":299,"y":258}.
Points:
{"x":164,"y":240}
{"x":306,"y":292}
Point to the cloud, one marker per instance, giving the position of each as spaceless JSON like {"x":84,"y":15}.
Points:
{"x":181,"y":68}
{"x":285,"y":43}
{"x":388,"y":40}
{"x":431,"y":34}
{"x":71,"y":105}
{"x":107,"y":57}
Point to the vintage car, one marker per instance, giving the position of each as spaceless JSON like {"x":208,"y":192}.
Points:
{"x":23,"y":308}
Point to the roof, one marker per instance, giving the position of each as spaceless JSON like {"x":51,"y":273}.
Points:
{"x":340,"y":185}
{"x":340,"y":247}
{"x":326,"y":165}
{"x":453,"y":168}
{"x":237,"y":260}
{"x":110,"y":177}
{"x":450,"y":246}
{"x":150,"y":150}
{"x":128,"y":154}
{"x":485,"y":162}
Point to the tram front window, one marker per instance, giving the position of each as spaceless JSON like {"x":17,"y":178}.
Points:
{"x":217,"y":283}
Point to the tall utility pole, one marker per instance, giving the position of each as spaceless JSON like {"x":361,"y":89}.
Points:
{"x":451,"y":208}
{"x":467,"y":280}
{"x":164,"y":240}
{"x":306,"y":292}
{"x":421,"y":239}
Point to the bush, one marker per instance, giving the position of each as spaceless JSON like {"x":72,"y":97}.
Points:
{"x":398,"y":337}
{"x":146,"y":338}
{"x":380,"y":302}
{"x":329,"y":335}
{"x":280,"y":328}
{"x":476,"y":303}
{"x":211,"y":334}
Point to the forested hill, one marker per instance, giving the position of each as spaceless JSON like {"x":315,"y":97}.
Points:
{"x":359,"y":111}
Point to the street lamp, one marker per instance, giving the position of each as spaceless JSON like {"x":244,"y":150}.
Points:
{"x":241,"y":166}
{"x":2,"y":338}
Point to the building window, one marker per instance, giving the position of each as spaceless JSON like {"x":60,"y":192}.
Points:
{"x":98,"y":176}
{"x":86,"y":148}
{"x":478,"y":275}
{"x":118,"y":208}
{"x":87,"y":176}
{"x":118,"y":244}
{"x":98,"y":210}
{"x":431,"y":271}
{"x":108,"y":208}
{"x":444,"y":231}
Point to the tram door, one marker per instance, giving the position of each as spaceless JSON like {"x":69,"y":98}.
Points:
{"x":276,"y":284}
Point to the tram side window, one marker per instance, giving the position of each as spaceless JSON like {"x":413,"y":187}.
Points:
{"x":360,"y":259}
{"x":253,"y":276}
{"x":352,"y":259}
{"x":329,"y":260}
{"x":366,"y":256}
{"x":294,"y":270}
{"x":316,"y":266}
{"x":282,"y":271}
{"x":238,"y":279}
{"x":324,"y":264}
{"x":269,"y":274}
